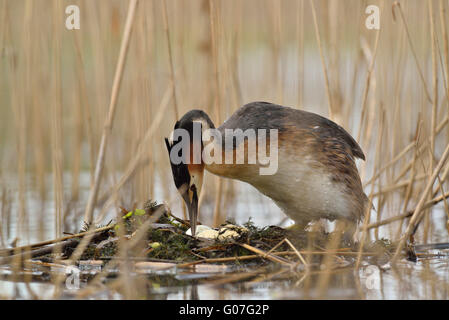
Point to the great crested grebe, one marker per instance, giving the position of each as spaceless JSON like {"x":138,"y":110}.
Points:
{"x":316,"y":174}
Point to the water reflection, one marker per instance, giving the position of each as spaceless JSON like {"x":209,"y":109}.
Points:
{"x":425,"y":279}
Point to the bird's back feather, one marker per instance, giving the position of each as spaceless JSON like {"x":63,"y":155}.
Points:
{"x":266,"y":115}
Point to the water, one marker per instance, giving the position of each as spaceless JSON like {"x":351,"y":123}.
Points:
{"x":420,"y":280}
{"x":424,"y":279}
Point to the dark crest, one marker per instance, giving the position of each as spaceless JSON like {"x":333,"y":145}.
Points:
{"x":180,"y":171}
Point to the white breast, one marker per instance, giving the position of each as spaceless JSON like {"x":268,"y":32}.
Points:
{"x":301,"y":187}
{"x":303,"y":190}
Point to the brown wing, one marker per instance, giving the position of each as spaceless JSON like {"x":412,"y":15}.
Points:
{"x":265,"y":115}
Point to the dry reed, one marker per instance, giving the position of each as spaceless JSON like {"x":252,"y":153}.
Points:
{"x":89,"y":109}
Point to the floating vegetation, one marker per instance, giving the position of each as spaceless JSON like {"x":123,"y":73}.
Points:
{"x":156,"y":246}
{"x":166,"y":239}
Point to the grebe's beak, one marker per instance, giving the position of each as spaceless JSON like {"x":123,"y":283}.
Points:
{"x":188,"y":180}
{"x":190,"y":197}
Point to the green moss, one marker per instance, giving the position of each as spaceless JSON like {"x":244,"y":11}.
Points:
{"x":173,"y":246}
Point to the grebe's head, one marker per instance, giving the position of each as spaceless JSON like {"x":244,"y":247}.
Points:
{"x":185,"y":148}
